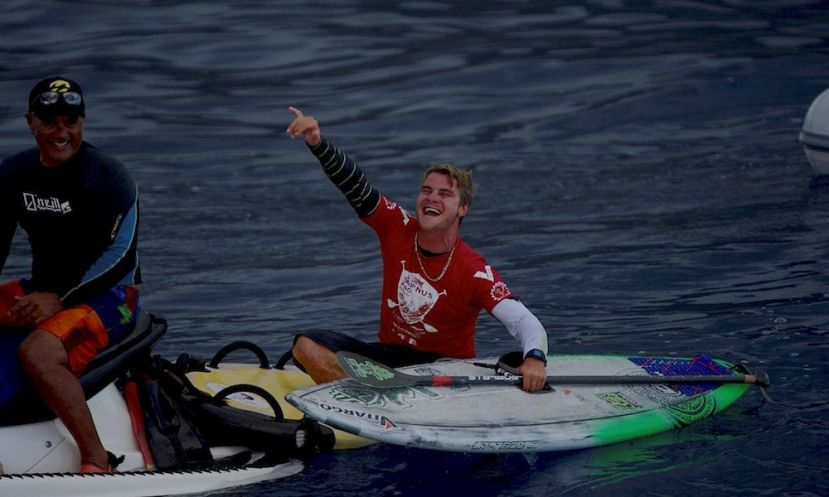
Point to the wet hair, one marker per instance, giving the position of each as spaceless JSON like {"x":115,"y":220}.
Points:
{"x":460,"y":177}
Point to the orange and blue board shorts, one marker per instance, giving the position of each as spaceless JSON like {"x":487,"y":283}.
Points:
{"x":84,"y":329}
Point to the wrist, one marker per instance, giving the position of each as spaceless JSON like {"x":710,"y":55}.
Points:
{"x":314,"y":146}
{"x":536,"y":354}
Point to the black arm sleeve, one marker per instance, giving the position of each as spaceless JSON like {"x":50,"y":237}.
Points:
{"x":8,"y":222}
{"x":350,"y":179}
{"x":6,"y":234}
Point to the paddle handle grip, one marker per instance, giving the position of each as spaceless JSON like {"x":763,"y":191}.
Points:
{"x":446,"y":381}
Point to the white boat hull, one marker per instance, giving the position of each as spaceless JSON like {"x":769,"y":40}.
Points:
{"x":140,"y":484}
{"x":47,"y":446}
{"x":41,"y":460}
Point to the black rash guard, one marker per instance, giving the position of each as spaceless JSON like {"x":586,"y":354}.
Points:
{"x":344,"y":173}
{"x":81,"y":218}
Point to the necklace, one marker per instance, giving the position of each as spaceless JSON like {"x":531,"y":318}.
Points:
{"x":423,"y":269}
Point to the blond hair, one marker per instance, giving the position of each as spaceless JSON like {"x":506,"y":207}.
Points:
{"x":457,"y":176}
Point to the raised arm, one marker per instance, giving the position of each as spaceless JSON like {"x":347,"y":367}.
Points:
{"x":340,"y":168}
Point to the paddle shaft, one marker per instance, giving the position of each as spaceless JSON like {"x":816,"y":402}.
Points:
{"x":579,"y":380}
{"x":377,"y":375}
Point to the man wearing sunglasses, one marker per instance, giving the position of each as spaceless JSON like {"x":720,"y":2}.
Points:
{"x":79,"y":208}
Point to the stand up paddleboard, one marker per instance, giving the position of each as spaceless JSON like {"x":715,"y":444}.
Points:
{"x":461,"y":406}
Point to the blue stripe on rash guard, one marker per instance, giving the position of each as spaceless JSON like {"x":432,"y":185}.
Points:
{"x":122,"y":249}
{"x":348,"y":177}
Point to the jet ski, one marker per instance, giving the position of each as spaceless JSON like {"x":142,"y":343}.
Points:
{"x":174,"y":427}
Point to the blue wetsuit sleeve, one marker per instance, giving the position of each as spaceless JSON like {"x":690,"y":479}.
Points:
{"x":350,"y":179}
{"x":118,"y":263}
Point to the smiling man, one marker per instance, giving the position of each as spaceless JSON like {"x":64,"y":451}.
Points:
{"x":79,"y":208}
{"x":434,"y":284}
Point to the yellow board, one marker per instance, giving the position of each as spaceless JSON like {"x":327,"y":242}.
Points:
{"x":278,"y":382}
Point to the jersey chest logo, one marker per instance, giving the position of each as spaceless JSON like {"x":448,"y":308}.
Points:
{"x":415,"y":298}
{"x":35,"y":203}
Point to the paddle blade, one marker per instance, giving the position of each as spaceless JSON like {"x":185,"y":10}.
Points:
{"x":371,"y":372}
{"x":760,"y":378}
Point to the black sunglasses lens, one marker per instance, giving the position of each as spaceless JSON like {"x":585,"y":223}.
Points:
{"x":48,"y":98}
{"x":72,"y":98}
{"x":51,"y":98}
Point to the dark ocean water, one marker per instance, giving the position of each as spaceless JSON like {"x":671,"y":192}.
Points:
{"x":641,"y":188}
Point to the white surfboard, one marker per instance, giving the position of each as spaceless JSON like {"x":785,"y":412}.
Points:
{"x":503,"y":418}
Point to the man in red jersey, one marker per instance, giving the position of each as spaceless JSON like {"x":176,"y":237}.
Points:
{"x":434,"y":284}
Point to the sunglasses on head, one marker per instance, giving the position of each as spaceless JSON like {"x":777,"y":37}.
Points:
{"x":52,"y":97}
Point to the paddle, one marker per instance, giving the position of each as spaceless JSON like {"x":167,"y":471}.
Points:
{"x":377,"y":375}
